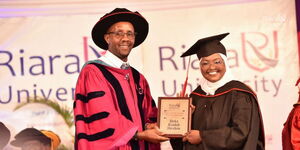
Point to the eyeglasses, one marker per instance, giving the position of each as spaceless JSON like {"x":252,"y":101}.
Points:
{"x":205,"y":63}
{"x":118,"y":35}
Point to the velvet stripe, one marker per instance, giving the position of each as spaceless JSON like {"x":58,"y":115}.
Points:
{"x":89,"y":96}
{"x":94,"y":137}
{"x":93,"y":117}
{"x":140,"y":96}
{"x":153,"y":104}
{"x":118,"y":91}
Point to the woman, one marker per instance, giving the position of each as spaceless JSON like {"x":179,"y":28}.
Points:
{"x":227,"y":114}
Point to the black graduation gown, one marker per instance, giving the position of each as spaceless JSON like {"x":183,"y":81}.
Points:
{"x":228,"y":120}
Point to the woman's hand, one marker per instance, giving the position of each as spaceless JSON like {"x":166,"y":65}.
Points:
{"x":192,"y":107}
{"x":192,"y":137}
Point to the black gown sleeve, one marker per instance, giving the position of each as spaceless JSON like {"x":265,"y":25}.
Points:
{"x":235,"y":134}
{"x":176,"y":143}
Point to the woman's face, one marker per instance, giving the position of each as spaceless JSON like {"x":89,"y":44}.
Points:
{"x":212,"y":67}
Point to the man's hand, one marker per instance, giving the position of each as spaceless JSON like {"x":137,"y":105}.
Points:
{"x":151,"y":126}
{"x":152,"y":135}
{"x":192,"y":137}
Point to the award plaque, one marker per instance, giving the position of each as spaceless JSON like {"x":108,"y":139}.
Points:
{"x":174,"y":115}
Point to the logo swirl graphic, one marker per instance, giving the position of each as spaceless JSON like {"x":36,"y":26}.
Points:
{"x":260,"y":52}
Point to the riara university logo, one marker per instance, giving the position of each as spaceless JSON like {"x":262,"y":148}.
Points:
{"x":260,"y":51}
{"x":89,"y":51}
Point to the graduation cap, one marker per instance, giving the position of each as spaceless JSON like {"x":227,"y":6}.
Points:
{"x":207,"y":46}
{"x":29,"y":134}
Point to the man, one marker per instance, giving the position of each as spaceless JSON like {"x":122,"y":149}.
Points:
{"x":113,"y":108}
{"x":291,"y":130}
{"x":5,"y":135}
{"x":33,"y":139}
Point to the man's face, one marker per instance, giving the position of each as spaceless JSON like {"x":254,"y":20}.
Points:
{"x":212,"y":67}
{"x":120,"y":38}
{"x":34,"y":145}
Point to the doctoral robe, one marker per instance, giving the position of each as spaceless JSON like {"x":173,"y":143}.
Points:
{"x":291,"y":130}
{"x":111,"y":105}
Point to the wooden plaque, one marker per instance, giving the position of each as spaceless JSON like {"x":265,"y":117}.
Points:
{"x":174,"y":115}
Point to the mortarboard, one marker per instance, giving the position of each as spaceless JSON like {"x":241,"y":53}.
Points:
{"x":207,"y":46}
{"x":29,"y":134}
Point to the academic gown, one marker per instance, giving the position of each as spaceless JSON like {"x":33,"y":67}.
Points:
{"x":110,"y":107}
{"x":291,"y":130}
{"x":229,"y":120}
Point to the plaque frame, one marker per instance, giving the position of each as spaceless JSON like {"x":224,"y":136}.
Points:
{"x":174,"y":111}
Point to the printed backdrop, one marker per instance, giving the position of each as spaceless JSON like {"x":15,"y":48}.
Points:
{"x":43,"y":49}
